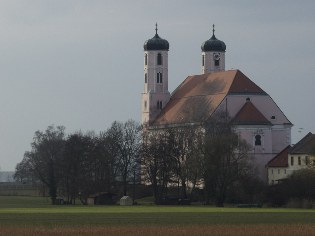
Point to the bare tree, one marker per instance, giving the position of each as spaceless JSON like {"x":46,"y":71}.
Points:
{"x":43,"y":161}
{"x":124,"y":142}
{"x":77,"y":166}
{"x":157,"y":162}
{"x":185,"y":146}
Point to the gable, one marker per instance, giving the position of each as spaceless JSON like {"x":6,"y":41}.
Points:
{"x":250,"y":115}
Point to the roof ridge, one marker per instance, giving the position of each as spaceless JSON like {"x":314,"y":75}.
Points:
{"x":302,"y":142}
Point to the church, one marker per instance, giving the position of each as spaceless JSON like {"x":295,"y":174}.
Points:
{"x":255,"y":116}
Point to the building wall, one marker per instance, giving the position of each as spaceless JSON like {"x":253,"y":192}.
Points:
{"x":263,"y":103}
{"x":281,"y":137}
{"x":298,"y":161}
{"x":281,"y":127}
{"x":273,"y":172}
{"x":275,"y":137}
{"x":277,"y":173}
{"x":260,"y":154}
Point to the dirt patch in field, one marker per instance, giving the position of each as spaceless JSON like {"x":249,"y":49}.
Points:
{"x":222,"y":230}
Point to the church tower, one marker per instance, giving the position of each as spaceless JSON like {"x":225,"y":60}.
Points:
{"x":155,"y":94}
{"x":213,"y":55}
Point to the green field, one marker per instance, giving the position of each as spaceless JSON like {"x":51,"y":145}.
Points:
{"x":23,"y":214}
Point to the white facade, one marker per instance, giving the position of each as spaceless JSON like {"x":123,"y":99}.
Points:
{"x":295,"y":162}
{"x":276,"y":174}
{"x":274,"y":137}
{"x":155,"y":92}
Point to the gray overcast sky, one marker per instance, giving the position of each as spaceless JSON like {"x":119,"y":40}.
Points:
{"x":80,"y":63}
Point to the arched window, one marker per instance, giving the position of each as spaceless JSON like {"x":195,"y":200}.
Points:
{"x":216,"y":62}
{"x":145,"y":78}
{"x":257,"y":140}
{"x":145,"y":59}
{"x":159,"y":105}
{"x":159,"y":78}
{"x":159,"y":59}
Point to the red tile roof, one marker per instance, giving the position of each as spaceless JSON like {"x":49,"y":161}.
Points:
{"x":280,"y":160}
{"x":198,"y":96}
{"x":305,"y":146}
{"x":250,"y":115}
{"x":242,"y":84}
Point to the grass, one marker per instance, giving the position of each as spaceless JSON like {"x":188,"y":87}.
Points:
{"x":35,"y":216}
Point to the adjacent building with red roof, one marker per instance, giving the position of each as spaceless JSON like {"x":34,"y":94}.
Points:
{"x":292,"y":158}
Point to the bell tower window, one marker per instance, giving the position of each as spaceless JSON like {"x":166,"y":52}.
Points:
{"x":159,"y":59}
{"x":216,"y":62}
{"x":159,"y":78}
{"x":159,"y":105}
{"x":203,"y":60}
{"x":146,"y":59}
{"x":257,"y":140}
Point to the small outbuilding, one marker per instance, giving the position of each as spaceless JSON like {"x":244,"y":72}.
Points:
{"x":126,"y":201}
{"x":102,"y":198}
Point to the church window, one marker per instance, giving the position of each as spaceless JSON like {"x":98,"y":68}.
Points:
{"x":159,"y":105}
{"x":257,"y":140}
{"x":146,"y":59}
{"x":299,"y":161}
{"x":292,"y":160}
{"x":203,"y":60}
{"x":159,"y":78}
{"x":145,"y":105}
{"x":216,"y":62}
{"x":145,"y":78}
{"x":159,"y":59}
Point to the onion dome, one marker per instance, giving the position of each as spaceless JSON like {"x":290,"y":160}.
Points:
{"x":213,"y":44}
{"x":156,"y":43}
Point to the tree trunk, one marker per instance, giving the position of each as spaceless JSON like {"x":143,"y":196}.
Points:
{"x":184,"y":192}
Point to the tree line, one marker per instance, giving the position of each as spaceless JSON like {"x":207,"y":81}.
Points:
{"x":208,"y":158}
{"x":78,"y":165}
